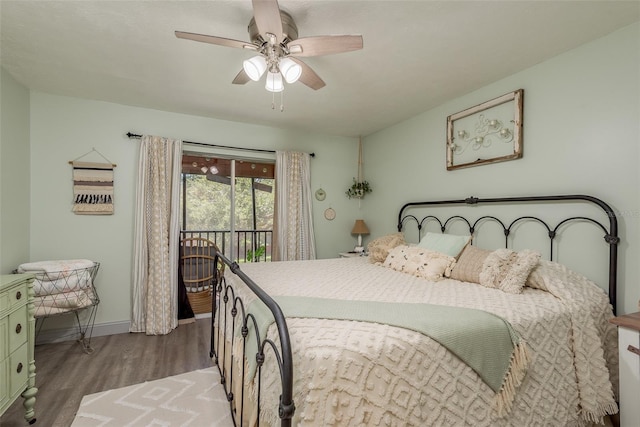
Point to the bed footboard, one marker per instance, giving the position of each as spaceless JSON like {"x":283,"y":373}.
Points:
{"x":230,"y":322}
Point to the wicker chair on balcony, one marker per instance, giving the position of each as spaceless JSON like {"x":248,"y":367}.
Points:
{"x":197,"y":262}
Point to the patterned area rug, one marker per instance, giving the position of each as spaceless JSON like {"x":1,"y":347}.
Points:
{"x":192,"y":399}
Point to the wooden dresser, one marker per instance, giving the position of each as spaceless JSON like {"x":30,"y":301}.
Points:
{"x":629,"y":354}
{"x":17,"y":339}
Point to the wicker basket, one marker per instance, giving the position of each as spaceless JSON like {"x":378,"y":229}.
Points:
{"x":200,"y":301}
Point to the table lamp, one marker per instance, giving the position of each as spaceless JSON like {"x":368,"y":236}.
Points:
{"x":359,"y":228}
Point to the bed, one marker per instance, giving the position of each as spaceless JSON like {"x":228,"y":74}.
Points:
{"x":382,"y":363}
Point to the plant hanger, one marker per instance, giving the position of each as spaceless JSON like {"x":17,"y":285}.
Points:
{"x":360,"y":186}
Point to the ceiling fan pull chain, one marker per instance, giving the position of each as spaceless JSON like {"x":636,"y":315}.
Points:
{"x":282,"y":101}
{"x":273,"y":100}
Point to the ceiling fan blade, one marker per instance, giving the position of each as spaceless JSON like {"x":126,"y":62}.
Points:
{"x":216,"y":40}
{"x":324,"y":45}
{"x":309,"y":77}
{"x":268,"y":19}
{"x":241,"y":78}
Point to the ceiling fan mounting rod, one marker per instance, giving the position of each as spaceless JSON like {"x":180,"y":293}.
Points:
{"x":289,"y":30}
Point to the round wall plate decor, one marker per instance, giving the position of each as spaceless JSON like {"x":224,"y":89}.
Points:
{"x":329,"y":214}
{"x":320,"y":194}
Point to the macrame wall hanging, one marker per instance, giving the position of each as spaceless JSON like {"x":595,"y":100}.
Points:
{"x":92,"y":186}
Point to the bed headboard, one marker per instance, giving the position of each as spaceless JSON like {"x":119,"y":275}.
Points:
{"x":508,"y":227}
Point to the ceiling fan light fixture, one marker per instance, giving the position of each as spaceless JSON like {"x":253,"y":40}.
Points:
{"x":274,"y":82}
{"x":291,"y":71}
{"x":255,"y":67}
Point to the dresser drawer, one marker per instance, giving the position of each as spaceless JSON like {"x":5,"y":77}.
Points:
{"x":18,"y":370}
{"x":17,"y":328}
{"x":13,"y":297}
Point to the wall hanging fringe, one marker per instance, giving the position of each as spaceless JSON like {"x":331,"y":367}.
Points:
{"x":92,"y":186}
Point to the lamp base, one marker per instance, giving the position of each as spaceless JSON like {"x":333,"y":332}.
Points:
{"x":358,"y":249}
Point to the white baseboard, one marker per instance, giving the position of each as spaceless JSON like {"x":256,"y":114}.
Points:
{"x":48,"y":336}
{"x":55,"y":335}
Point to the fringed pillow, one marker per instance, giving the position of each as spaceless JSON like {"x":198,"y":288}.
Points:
{"x":419,"y":262}
{"x":508,"y":270}
{"x":379,"y":248}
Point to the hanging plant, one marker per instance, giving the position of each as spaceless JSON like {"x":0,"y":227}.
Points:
{"x":358,"y":189}
{"x":360,"y":186}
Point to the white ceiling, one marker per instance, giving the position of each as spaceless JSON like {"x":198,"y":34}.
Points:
{"x":417,"y":54}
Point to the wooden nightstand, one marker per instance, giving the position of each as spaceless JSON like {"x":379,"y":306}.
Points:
{"x":629,"y":356}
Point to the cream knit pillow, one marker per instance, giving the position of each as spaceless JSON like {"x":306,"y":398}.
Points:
{"x":379,"y":248}
{"x":508,"y":270}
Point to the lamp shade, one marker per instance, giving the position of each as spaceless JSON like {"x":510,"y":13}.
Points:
{"x":290,"y":70}
{"x":274,"y":82}
{"x":255,"y":67}
{"x":360,"y":227}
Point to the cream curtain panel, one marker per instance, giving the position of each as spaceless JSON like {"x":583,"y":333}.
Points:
{"x":156,"y":237}
{"x":293,"y":228}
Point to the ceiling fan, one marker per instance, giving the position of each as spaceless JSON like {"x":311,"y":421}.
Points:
{"x":274,"y":37}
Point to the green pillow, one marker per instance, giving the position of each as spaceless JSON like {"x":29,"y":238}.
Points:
{"x":449,"y":244}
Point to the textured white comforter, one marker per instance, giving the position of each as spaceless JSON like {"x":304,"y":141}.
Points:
{"x":349,"y":373}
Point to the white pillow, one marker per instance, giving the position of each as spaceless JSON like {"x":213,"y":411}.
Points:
{"x":419,"y":262}
{"x":449,"y":244}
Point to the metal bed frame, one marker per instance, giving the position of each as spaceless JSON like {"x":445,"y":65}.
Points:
{"x":610,"y":237}
{"x":227,"y":305}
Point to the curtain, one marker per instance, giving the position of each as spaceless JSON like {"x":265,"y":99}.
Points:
{"x":293,"y":225}
{"x":156,"y":237}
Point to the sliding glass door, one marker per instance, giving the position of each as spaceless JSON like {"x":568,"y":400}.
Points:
{"x":229,"y":201}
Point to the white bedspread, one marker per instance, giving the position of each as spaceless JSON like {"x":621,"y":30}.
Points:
{"x":350,"y":373}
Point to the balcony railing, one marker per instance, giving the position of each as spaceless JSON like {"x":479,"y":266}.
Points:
{"x":247,"y":243}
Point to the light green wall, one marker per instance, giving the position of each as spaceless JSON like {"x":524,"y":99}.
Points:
{"x":14,"y":173}
{"x":63,"y":129}
{"x":581,"y":135}
{"x":581,"y":131}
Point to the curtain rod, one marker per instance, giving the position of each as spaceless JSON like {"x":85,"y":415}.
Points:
{"x":136,"y":136}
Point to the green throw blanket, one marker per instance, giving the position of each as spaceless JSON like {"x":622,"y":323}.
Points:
{"x":485,"y":342}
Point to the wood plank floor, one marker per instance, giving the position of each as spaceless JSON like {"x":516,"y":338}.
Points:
{"x":65,"y":373}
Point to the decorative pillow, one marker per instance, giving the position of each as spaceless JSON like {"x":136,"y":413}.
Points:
{"x":379,"y":248}
{"x":449,"y":244}
{"x":539,"y":274}
{"x":419,"y":262}
{"x":508,"y":270}
{"x":469,"y":264}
